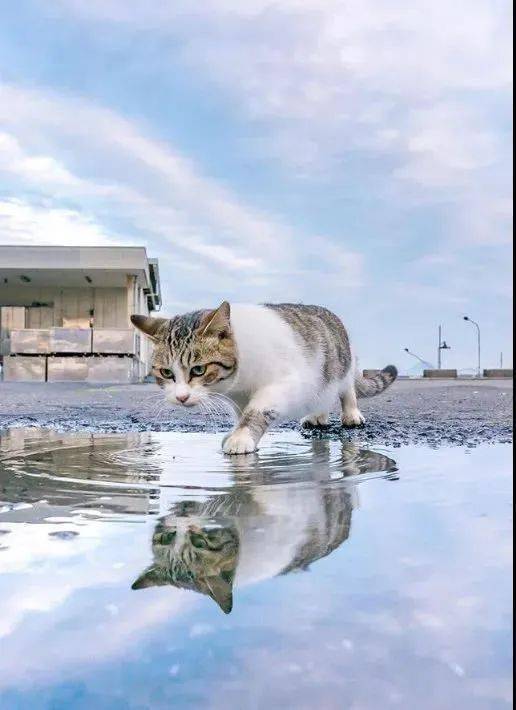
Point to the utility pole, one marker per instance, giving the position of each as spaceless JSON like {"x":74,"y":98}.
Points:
{"x":442,"y":346}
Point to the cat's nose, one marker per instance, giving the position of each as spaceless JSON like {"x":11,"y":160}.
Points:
{"x":183,"y":397}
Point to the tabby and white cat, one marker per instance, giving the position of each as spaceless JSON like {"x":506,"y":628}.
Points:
{"x":253,"y":533}
{"x":274,"y":361}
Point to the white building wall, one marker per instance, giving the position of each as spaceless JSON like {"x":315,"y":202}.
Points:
{"x":53,"y":287}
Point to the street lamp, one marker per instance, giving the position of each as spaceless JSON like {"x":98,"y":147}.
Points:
{"x":426,"y":365}
{"x":479,"y":370}
{"x":423,"y":362}
{"x":443,"y":345}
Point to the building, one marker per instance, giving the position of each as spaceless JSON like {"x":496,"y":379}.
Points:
{"x":64,"y":312}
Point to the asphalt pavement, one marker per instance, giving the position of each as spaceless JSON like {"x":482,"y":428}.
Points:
{"x":437,"y":412}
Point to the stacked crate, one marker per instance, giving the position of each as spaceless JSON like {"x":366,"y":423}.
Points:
{"x":71,"y":355}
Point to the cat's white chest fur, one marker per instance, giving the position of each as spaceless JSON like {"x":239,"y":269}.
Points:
{"x":267,"y":348}
{"x":274,"y":361}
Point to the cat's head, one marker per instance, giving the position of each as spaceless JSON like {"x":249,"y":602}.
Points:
{"x":193,"y":354}
{"x":201,"y":557}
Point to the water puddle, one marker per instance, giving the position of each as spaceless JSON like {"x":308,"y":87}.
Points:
{"x":149,"y":570}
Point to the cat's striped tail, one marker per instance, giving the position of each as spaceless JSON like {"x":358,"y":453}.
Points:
{"x":369,"y":386}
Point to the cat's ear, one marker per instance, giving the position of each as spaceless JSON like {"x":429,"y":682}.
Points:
{"x":221,"y":592}
{"x":149,"y":326}
{"x":146,"y":579}
{"x":217,"y":322}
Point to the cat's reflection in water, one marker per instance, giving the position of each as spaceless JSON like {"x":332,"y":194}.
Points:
{"x":260,"y":528}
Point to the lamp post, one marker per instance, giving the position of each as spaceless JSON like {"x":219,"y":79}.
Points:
{"x":443,"y":345}
{"x":479,"y":369}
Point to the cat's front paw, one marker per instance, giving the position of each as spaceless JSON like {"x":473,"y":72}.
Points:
{"x":239,"y":442}
{"x":315,"y":420}
{"x":352,"y":418}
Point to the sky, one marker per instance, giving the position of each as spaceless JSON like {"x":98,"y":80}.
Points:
{"x":355,"y":155}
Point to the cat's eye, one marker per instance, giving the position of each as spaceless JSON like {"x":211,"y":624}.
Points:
{"x":166,"y":373}
{"x":214,"y":537}
{"x":198,"y":370}
{"x":165,"y":538}
{"x":215,"y":545}
{"x":198,"y":541}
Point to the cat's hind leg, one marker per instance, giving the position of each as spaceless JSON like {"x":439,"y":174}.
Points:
{"x":315,"y":420}
{"x":351,"y":415}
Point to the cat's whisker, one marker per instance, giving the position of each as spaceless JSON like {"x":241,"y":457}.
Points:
{"x":152,"y":396}
{"x":230,"y":404}
{"x":158,"y":404}
{"x":225,"y":406}
{"x":152,"y":404}
{"x":156,"y":413}
{"x":212,"y":409}
{"x":212,"y":404}
{"x":204,"y":409}
{"x":217,"y":409}
{"x":157,"y":408}
{"x":150,"y":411}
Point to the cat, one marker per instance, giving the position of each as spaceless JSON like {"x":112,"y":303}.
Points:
{"x":273,"y":361}
{"x":249,"y":534}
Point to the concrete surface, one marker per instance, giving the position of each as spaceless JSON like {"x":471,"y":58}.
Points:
{"x":436,"y":412}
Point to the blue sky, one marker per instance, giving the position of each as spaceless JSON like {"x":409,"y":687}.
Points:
{"x":355,"y":154}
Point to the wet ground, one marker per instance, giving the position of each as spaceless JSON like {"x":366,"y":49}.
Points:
{"x":463,"y":412}
{"x":147,"y":570}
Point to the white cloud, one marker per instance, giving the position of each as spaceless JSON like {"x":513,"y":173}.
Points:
{"x":33,"y":168}
{"x":446,"y":144}
{"x":486,"y":220}
{"x":131,"y":166}
{"x":395,"y":46}
{"x":421,"y":84}
{"x":21,"y":222}
{"x":48,"y":577}
{"x":125,"y":185}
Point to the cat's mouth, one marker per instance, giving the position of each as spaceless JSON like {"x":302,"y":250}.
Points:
{"x":187,"y":400}
{"x":187,"y":404}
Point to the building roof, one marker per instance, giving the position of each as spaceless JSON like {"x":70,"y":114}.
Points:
{"x":79,"y":267}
